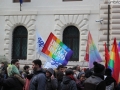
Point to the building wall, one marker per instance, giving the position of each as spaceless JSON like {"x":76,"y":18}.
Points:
{"x":47,"y":16}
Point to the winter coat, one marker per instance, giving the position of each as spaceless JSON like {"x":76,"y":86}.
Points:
{"x":12,"y":83}
{"x":109,"y":80}
{"x":51,"y":84}
{"x":3,"y":72}
{"x":80,"y":85}
{"x":59,"y":79}
{"x":118,"y":87}
{"x":94,"y":83}
{"x":38,"y":81}
{"x":68,"y":84}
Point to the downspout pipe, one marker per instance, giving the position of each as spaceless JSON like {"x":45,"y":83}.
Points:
{"x":108,"y":31}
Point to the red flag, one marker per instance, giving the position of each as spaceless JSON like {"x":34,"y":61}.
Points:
{"x":116,"y":68}
{"x":107,"y":56}
{"x":87,"y":50}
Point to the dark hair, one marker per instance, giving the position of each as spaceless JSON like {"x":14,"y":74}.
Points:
{"x":26,"y":67}
{"x":2,"y":62}
{"x":37,"y":62}
{"x":14,"y":61}
{"x":69,"y":72}
{"x":60,"y":66}
{"x":59,"y":76}
{"x":75,"y":67}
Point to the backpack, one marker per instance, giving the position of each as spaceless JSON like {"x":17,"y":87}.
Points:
{"x":66,"y":87}
{"x":110,"y":87}
{"x":27,"y":84}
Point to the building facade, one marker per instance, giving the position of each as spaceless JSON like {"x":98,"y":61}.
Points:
{"x":69,"y":20}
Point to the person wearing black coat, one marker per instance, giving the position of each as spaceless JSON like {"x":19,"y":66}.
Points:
{"x":96,"y":81}
{"x":109,"y":79}
{"x":68,"y":82}
{"x":59,"y":79}
{"x":51,"y":82}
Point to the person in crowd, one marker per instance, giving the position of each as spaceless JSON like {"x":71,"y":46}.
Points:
{"x":88,"y":72}
{"x":96,"y":81}
{"x":109,"y":80}
{"x":60,"y":68}
{"x":77,"y":68}
{"x":68,"y":82}
{"x":3,"y":70}
{"x":14,"y":81}
{"x":80,"y":81}
{"x":59,"y":79}
{"x":16,"y":63}
{"x":25,"y":71}
{"x":38,"y":80}
{"x":51,"y":83}
{"x":118,"y":86}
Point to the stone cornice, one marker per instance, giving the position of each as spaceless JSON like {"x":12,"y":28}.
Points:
{"x":49,"y":12}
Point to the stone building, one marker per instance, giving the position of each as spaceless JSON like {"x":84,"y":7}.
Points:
{"x":69,"y":20}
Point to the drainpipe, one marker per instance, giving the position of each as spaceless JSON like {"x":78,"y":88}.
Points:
{"x":108,"y":31}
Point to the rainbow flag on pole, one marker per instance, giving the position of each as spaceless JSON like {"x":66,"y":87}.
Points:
{"x":114,"y":61}
{"x":92,"y":53}
{"x":57,"y":50}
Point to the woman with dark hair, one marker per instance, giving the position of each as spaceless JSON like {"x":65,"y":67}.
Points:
{"x":80,"y":81}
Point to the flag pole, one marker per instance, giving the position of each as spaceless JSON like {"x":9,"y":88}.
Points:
{"x":20,"y":6}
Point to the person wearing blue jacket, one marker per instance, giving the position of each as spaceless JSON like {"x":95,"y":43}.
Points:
{"x":38,"y":80}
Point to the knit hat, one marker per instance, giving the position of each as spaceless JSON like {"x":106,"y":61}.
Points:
{"x":80,"y":74}
{"x":50,"y":70}
{"x":108,"y":72}
{"x":98,"y":68}
{"x":12,"y":69}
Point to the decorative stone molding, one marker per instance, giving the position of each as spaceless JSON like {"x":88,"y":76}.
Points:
{"x":80,"y":21}
{"x":28,"y":22}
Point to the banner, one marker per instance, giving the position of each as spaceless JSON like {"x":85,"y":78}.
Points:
{"x":51,"y":63}
{"x":55,"y":49}
{"x":39,"y":43}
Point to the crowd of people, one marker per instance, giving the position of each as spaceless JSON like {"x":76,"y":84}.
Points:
{"x":62,"y":78}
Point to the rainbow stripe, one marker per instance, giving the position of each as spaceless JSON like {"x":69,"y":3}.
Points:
{"x":114,"y":61}
{"x":57,"y":50}
{"x":93,"y":52}
{"x":112,"y":58}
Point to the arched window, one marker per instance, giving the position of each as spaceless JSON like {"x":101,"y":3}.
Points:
{"x":19,"y":44}
{"x":71,"y":39}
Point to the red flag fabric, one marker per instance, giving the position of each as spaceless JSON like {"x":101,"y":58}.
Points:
{"x":116,"y":69}
{"x":87,"y":52}
{"x":107,"y":56}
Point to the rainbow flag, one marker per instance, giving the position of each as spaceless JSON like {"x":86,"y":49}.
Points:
{"x":114,"y":61}
{"x":92,"y":53}
{"x":55,"y":49}
{"x":119,"y":46}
